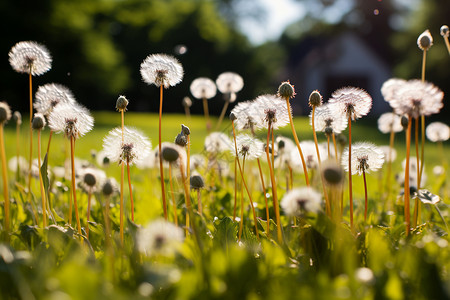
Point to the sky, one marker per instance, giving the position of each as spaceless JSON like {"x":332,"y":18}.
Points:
{"x":280,"y":13}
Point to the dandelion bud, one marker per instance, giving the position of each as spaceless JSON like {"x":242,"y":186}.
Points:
{"x":107,"y":188}
{"x":187,"y":102}
{"x":17,"y":117}
{"x":121,"y":103}
{"x":38,"y":121}
{"x":185,"y":130}
{"x":404,"y":122}
{"x":5,"y":112}
{"x":315,"y":99}
{"x":233,"y":116}
{"x":445,"y":31}
{"x":286,"y":90}
{"x":181,"y":140}
{"x":197,"y":182}
{"x":425,"y":40}
{"x":89,"y":179}
{"x":332,"y":173}
{"x":170,"y":154}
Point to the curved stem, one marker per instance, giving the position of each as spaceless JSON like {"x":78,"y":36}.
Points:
{"x":74,"y":191}
{"x":187,"y":196}
{"x":222,"y":114}
{"x":265,"y":196}
{"x":447,"y":44}
{"x":49,"y":142}
{"x":131,"y":190}
{"x":305,"y":171}
{"x":18,"y":150}
{"x":161,"y":171}
{"x":5,"y":184}
{"x":199,"y":201}
{"x":41,"y":183}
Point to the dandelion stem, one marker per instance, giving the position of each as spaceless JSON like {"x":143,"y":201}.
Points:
{"x":265,"y":196}
{"x":206,"y":112}
{"x":74,"y":191}
{"x":174,"y":203}
{"x":241,"y":221}
{"x":335,"y":147}
{"x":274,"y":188}
{"x":416,"y":142}
{"x":447,"y":43}
{"x":222,"y":114}
{"x":161,"y":171}
{"x":389,"y":164}
{"x":122,"y":171}
{"x":424,"y":58}
{"x":131,"y":190}
{"x":422,"y":150}
{"x":41,"y":183}
{"x":350,"y":191}
{"x":188,"y":160}
{"x":199,"y":201}
{"x":328,"y":145}
{"x":186,"y":196}
{"x":18,"y":150}
{"x":294,"y":133}
{"x":5,"y":184}
{"x":325,"y":194}
{"x":49,"y":141}
{"x":235,"y":188}
{"x":365,"y":196}
{"x":31,"y":135}
{"x":88,"y":212}
{"x":406,"y":185}
{"x":187,"y":112}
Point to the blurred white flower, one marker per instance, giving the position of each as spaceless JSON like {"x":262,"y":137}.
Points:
{"x":390,"y":154}
{"x":229,"y":82}
{"x":30,"y":57}
{"x":159,"y":237}
{"x":20,"y":163}
{"x":366,"y":157}
{"x":217,"y":142}
{"x":390,"y":87}
{"x":388,"y":122}
{"x":438,"y":132}
{"x":351,"y":102}
{"x":203,"y":87}
{"x":161,"y":69}
{"x":73,"y":120}
{"x":309,"y":154}
{"x":438,"y":170}
{"x":50,"y":95}
{"x":248,"y":147}
{"x":301,"y":200}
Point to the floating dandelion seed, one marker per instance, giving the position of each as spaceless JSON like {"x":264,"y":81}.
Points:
{"x":30,"y":58}
{"x":159,"y":238}
{"x":298,"y":201}
{"x":438,"y":132}
{"x":50,"y":95}
{"x":161,"y":70}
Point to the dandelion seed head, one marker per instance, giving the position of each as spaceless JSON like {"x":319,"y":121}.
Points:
{"x":161,"y":70}
{"x":332,"y":172}
{"x":229,"y":83}
{"x":18,"y":162}
{"x":17,"y":117}
{"x":309,"y":154}
{"x":248,"y":147}
{"x":5,"y":112}
{"x":388,"y":122}
{"x":390,"y":87}
{"x":38,"y":121}
{"x":425,"y":40}
{"x":50,"y":95}
{"x":272,"y":109}
{"x":203,"y":87}
{"x":133,"y":150}
{"x":197,"y":182}
{"x":326,"y":120}
{"x":109,"y":186}
{"x":170,"y":152}
{"x":186,"y":102}
{"x":366,"y":157}
{"x":159,"y":237}
{"x":121,"y":103}
{"x":30,"y":58}
{"x":91,"y":179}
{"x":246,"y":116}
{"x":352,"y":102}
{"x":298,"y":201}
{"x":416,"y":98}
{"x":102,"y":159}
{"x":73,"y":120}
{"x":438,"y":132}
{"x":390,"y":154}
{"x":217,"y":142}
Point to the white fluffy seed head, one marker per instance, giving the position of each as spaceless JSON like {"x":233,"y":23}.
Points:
{"x":30,"y":58}
{"x":203,"y":87}
{"x":366,"y":157}
{"x":50,"y":95}
{"x":248,"y":147}
{"x":73,"y":120}
{"x":273,"y":109}
{"x":298,"y":201}
{"x":351,"y":102}
{"x":246,"y":116}
{"x":161,"y":69}
{"x":325,"y":118}
{"x":229,"y":82}
{"x":217,"y":142}
{"x":388,"y":122}
{"x":159,"y":237}
{"x":438,"y":132}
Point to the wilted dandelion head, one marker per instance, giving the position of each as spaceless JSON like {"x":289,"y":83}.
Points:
{"x":273,"y":110}
{"x":298,"y":201}
{"x":326,"y":120}
{"x":390,"y":154}
{"x":246,"y":116}
{"x":134,"y":148}
{"x":229,"y":82}
{"x":248,"y":147}
{"x":5,"y":113}
{"x":30,"y":57}
{"x":390,"y":87}
{"x":286,"y":90}
{"x":438,"y":132}
{"x":203,"y":87}
{"x":415,"y":98}
{"x":161,"y":70}
{"x":425,"y":40}
{"x":121,"y":103}
{"x":50,"y":95}
{"x":445,"y":31}
{"x":217,"y":142}
{"x":352,"y":102}
{"x":388,"y":122}
{"x":38,"y":121}
{"x":197,"y":182}
{"x":159,"y":237}
{"x":73,"y":120}
{"x":366,"y":157}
